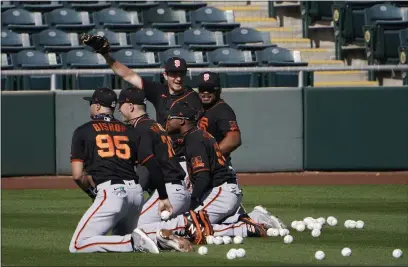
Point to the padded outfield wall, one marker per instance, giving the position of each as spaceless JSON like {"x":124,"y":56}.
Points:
{"x":283,"y":129}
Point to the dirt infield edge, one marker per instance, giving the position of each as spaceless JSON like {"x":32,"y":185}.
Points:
{"x":300,"y":178}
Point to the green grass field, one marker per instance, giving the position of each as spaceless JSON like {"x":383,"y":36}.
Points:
{"x":37,"y":226}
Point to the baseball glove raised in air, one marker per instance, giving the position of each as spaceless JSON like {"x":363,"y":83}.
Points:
{"x":99,"y":43}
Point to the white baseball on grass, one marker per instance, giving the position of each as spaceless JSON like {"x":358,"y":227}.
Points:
{"x":293,"y":224}
{"x":331,"y":221}
{"x":397,"y":253}
{"x":282,"y":232}
{"x":288,"y":239}
{"x":316,"y":232}
{"x":287,"y":231}
{"x":319,"y":255}
{"x":238,"y":240}
{"x":202,"y":250}
{"x":241,"y":253}
{"x":307,"y":220}
{"x":346,"y":252}
{"x":210,"y":240}
{"x":218,"y":240}
{"x":231,"y":254}
{"x":352,"y":224}
{"x":359,"y":224}
{"x":310,"y":225}
{"x":347,"y":223}
{"x":272,"y":232}
{"x":321,"y":220}
{"x":300,"y":227}
{"x":227,"y":240}
{"x":317,"y":225}
{"x":165,"y":215}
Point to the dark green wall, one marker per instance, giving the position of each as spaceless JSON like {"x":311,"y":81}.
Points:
{"x":356,"y":128}
{"x":27,"y":133}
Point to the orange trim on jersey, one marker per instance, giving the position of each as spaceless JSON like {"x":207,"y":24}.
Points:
{"x":174,"y":229}
{"x":178,"y":99}
{"x":212,"y":200}
{"x":154,"y":202}
{"x":77,"y":160}
{"x":86,"y":222}
{"x":147,"y":159}
{"x":202,"y":170}
{"x":229,"y":227}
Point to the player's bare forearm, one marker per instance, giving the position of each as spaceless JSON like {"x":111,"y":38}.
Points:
{"x":123,"y":71}
{"x":230,"y":142}
{"x":81,"y":179}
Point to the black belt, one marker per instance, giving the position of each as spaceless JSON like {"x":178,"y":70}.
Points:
{"x":116,"y":181}
{"x":229,"y":181}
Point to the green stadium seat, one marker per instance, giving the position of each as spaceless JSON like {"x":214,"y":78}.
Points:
{"x":230,"y":57}
{"x":281,"y":57}
{"x":6,"y":5}
{"x":33,"y":59}
{"x":200,"y":39}
{"x":213,"y":19}
{"x":53,"y":40}
{"x":136,"y":5}
{"x":69,"y":19}
{"x":7,"y":82}
{"x":185,"y":5}
{"x":133,"y":58}
{"x":117,"y":40}
{"x":244,"y":38}
{"x":313,"y":11}
{"x":87,"y":5}
{"x":41,"y":6}
{"x":166,"y":19}
{"x":403,"y":52}
{"x":348,"y":18}
{"x":84,"y":59}
{"x":21,"y":20}
{"x":118,"y":19}
{"x":153,"y":40}
{"x":13,"y":42}
{"x":192,"y":58}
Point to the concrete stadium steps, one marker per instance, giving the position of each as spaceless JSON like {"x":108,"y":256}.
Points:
{"x":316,"y":54}
{"x":281,"y":32}
{"x":327,"y":62}
{"x":347,"y":76}
{"x":346,"y":84}
{"x":291,"y":43}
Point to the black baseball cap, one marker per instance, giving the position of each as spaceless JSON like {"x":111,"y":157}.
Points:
{"x":104,"y":96}
{"x":181,"y":110}
{"x":209,"y":81}
{"x":176,"y":64}
{"x":132,"y":95}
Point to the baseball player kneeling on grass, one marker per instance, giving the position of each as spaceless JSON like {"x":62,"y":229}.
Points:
{"x":103,"y":149}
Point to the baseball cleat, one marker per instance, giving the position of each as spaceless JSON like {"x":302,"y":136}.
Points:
{"x":205,"y":222}
{"x":269,"y":220}
{"x":193,"y":228}
{"x":142,"y":243}
{"x":253,"y":229}
{"x":167,"y":240}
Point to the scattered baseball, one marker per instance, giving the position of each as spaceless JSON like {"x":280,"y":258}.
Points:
{"x":282,"y":232}
{"x":202,"y":250}
{"x":165,"y":215}
{"x":316,"y":232}
{"x":308,"y":220}
{"x":397,"y":253}
{"x":347,"y":223}
{"x":241,"y":253}
{"x":272,"y":232}
{"x":227,"y":240}
{"x":232,"y":254}
{"x":321,"y":220}
{"x":300,"y":227}
{"x":293,"y":224}
{"x":218,"y":240}
{"x":331,"y":221}
{"x":210,"y":240}
{"x":346,"y":252}
{"x":359,"y":224}
{"x":352,"y":224}
{"x":317,"y":225}
{"x":310,"y":225}
{"x":238,"y":240}
{"x":319,"y":255}
{"x":288,"y":239}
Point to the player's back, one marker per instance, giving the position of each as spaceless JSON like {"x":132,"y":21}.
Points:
{"x":104,"y":147}
{"x":160,"y":145}
{"x":218,"y":167}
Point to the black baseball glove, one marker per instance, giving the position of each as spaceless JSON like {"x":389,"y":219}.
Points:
{"x":99,"y":43}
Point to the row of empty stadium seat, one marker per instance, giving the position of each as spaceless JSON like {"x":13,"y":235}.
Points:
{"x":163,"y":18}
{"x":83,"y":58}
{"x":149,"y":39}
